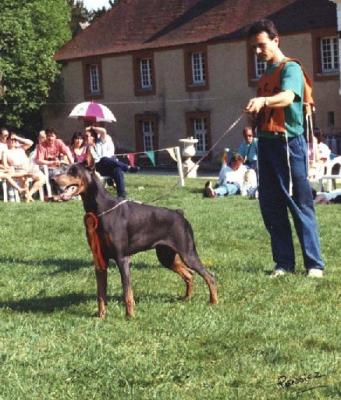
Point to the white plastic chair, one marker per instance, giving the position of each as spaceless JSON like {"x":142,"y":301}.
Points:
{"x":332,"y":173}
{"x":5,"y":190}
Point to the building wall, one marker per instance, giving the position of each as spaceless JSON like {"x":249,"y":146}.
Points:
{"x":227,"y":95}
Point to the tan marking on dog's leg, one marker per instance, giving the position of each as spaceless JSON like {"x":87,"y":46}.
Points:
{"x":211,"y":282}
{"x":101,"y":279}
{"x":180,"y":268}
{"x":129,"y":302}
{"x":128,"y":296}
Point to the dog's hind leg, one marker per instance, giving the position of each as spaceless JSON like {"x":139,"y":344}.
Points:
{"x":101,"y":279}
{"x":170,"y":259}
{"x":193,"y":262}
{"x":123,"y":264}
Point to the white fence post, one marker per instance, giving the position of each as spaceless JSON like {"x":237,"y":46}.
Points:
{"x":179,"y":163}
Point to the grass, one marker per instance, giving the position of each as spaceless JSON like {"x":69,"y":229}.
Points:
{"x":52,"y":346}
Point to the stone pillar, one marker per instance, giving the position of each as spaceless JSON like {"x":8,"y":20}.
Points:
{"x":190,"y":169}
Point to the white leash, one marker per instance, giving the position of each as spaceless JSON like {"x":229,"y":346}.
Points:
{"x":112,"y":208}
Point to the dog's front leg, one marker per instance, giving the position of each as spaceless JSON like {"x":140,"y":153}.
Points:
{"x":101,"y":278}
{"x":124,"y":267}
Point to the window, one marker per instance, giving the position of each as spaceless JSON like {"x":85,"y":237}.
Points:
{"x":329,"y":55}
{"x":255,"y":67}
{"x":198,"y":126}
{"x":325,"y":54}
{"x":196,"y":68}
{"x":148,"y":135}
{"x":144,"y":75}
{"x":200,"y":133}
{"x":146,"y":131}
{"x":92,"y":79}
{"x":260,"y":67}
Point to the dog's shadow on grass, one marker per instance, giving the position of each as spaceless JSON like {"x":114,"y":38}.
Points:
{"x":62,"y":264}
{"x":49,"y":305}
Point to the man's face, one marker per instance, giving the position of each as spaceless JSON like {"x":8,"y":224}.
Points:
{"x":4,"y":135}
{"x":264,"y":47}
{"x":248,"y":136}
{"x":50,"y":138}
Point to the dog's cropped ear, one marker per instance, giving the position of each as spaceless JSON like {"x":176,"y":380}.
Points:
{"x":89,"y":161}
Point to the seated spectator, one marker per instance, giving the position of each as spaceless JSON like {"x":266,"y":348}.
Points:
{"x":230,"y":180}
{"x":40,"y":139}
{"x":327,"y":198}
{"x":102,"y":150}
{"x":5,"y":172}
{"x":248,"y":148}
{"x":250,"y":186}
{"x":78,"y":147}
{"x":20,"y":166}
{"x":323,"y":151}
{"x":3,"y":142}
{"x":53,"y":152}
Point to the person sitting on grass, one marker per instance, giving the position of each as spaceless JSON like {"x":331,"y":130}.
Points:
{"x":248,"y":148}
{"x":230,"y":180}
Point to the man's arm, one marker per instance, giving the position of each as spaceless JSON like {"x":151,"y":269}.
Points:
{"x":292,"y":83}
{"x":281,"y":99}
{"x":25,"y":143}
{"x":65,"y":150}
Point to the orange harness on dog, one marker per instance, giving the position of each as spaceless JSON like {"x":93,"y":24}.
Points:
{"x":91,"y":224}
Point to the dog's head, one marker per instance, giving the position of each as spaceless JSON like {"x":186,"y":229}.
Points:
{"x":74,"y":180}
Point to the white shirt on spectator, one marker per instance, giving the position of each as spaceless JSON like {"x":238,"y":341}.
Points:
{"x":227,"y":174}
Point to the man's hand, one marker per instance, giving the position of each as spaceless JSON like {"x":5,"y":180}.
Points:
{"x":255,"y":105}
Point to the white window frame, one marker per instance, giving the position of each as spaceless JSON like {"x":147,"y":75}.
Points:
{"x":94,"y":83}
{"x":148,"y":135}
{"x":329,"y":48}
{"x":200,"y":133}
{"x":260,"y":67}
{"x":198,"y":68}
{"x":146,"y":76}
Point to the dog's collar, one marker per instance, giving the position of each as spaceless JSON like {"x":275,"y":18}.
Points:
{"x":112,"y":208}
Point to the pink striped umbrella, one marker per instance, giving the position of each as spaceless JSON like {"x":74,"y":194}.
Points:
{"x":89,"y":110}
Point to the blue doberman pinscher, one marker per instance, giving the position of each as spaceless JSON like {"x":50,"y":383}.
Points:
{"x":118,"y":228}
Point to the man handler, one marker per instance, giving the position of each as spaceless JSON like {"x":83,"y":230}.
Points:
{"x":282,"y":153}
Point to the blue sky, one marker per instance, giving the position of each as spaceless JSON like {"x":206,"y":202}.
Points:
{"x":95,"y":4}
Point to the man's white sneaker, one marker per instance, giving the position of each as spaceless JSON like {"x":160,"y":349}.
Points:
{"x":315,"y":273}
{"x":276,"y":273}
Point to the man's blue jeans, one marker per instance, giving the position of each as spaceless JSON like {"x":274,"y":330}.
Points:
{"x":275,"y":200}
{"x":113,"y":167}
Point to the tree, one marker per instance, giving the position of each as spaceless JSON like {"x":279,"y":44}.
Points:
{"x":30,"y":33}
{"x":79,"y":14}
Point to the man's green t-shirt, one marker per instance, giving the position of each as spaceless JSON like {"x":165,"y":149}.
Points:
{"x":291,"y":79}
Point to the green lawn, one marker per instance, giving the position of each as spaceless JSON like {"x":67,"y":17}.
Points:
{"x":52,"y":346}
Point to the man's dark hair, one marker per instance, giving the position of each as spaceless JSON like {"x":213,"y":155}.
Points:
{"x":50,"y":131}
{"x":264,"y":25}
